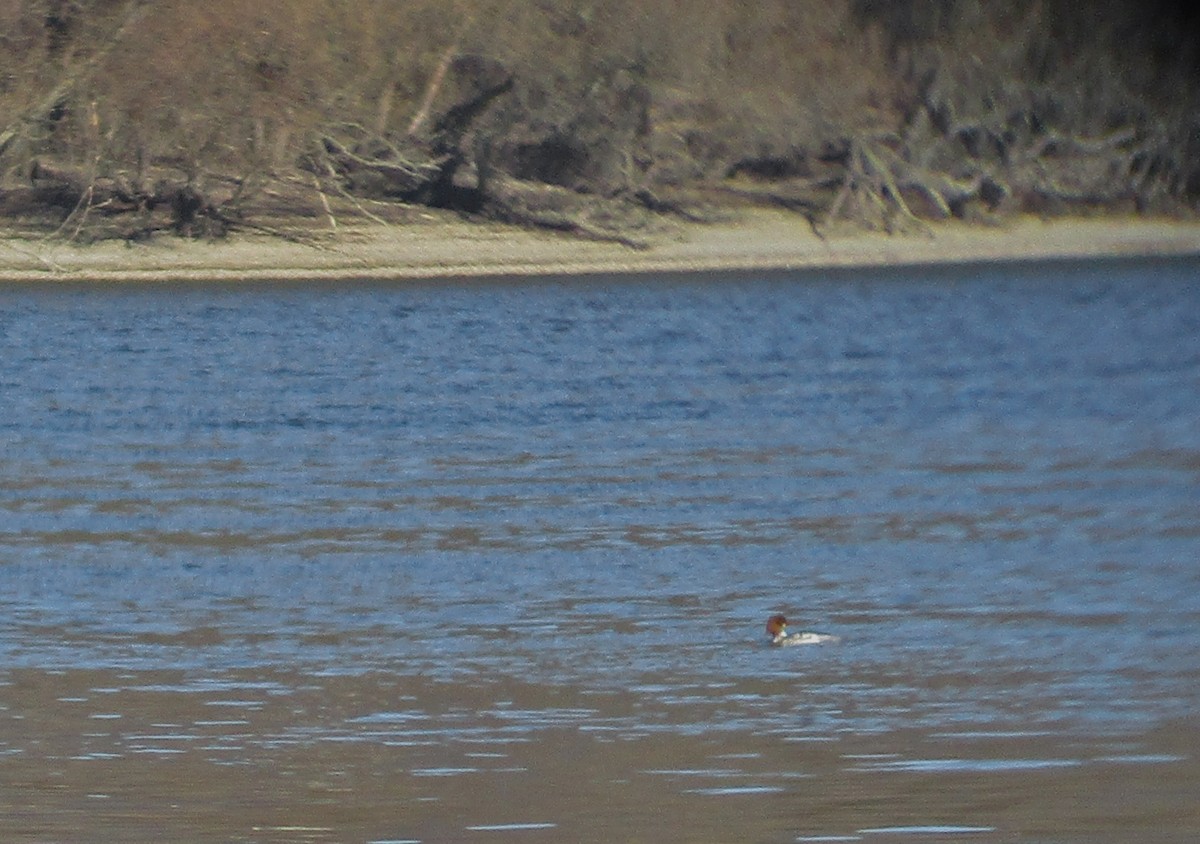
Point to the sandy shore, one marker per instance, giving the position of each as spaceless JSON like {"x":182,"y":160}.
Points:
{"x":445,"y":246}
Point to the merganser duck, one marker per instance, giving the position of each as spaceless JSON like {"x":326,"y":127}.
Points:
{"x":777,"y":630}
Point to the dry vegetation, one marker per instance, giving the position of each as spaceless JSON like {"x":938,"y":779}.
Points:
{"x":123,"y":118}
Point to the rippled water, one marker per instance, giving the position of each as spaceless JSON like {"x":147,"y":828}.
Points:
{"x":490,"y":560}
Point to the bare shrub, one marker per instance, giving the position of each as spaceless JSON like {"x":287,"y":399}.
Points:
{"x":1048,"y":107}
{"x":880,"y":112}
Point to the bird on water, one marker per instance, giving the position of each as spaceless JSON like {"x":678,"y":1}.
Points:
{"x":777,"y":630}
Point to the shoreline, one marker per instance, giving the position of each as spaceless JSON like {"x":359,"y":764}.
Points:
{"x":445,"y":246}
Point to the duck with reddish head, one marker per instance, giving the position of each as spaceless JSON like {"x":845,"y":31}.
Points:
{"x":777,"y":630}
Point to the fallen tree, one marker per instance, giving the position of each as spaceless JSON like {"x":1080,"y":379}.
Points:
{"x":423,"y":170}
{"x":453,"y":168}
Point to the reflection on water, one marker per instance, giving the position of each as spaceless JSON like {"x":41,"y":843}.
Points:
{"x":491,"y":561}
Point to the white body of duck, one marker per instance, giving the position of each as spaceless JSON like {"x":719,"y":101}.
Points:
{"x":777,"y":630}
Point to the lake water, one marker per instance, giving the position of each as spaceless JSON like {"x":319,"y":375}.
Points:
{"x":489,"y":561}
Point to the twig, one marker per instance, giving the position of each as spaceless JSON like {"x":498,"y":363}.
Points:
{"x":349,"y":196}
{"x":432,"y":89}
{"x":324,"y":202}
{"x":37,"y":256}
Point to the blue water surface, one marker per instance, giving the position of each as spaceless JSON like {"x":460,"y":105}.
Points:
{"x":985,"y":479}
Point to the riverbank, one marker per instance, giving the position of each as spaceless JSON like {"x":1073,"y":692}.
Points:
{"x":445,"y":246}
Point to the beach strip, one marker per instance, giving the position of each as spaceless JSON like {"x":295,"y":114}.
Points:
{"x":445,"y":246}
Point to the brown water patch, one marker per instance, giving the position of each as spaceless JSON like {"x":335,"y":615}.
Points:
{"x":153,"y":756}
